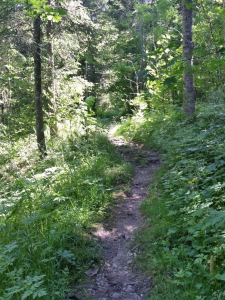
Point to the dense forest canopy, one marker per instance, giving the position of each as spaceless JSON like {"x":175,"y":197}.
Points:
{"x":114,"y":56}
{"x":68,"y":68}
{"x":120,"y":55}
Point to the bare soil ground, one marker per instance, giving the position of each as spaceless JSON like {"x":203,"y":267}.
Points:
{"x":117,"y":277}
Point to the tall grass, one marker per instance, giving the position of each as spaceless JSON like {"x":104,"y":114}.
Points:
{"x":47,"y":211}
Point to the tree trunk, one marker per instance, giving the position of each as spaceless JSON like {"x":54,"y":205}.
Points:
{"x":224,"y":22}
{"x":38,"y":87}
{"x":189,"y":97}
{"x":141,"y":50}
{"x":51,"y":102}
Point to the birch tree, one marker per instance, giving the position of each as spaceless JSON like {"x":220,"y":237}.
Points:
{"x":51,"y":101}
{"x":38,"y":86}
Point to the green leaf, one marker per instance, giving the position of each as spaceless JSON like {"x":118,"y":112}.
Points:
{"x":222,"y":277}
{"x":49,"y":10}
{"x":142,"y":73}
{"x":170,"y":81}
{"x":189,"y":5}
{"x":222,"y":50}
{"x":172,"y":213}
{"x":26,"y":294}
{"x":56,"y":18}
{"x":61,"y":11}
{"x":172,"y":231}
{"x":172,"y":62}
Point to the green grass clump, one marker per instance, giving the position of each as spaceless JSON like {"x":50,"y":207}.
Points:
{"x":185,"y":212}
{"x":48,"y":209}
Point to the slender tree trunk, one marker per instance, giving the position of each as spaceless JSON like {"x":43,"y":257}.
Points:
{"x":224,"y":23}
{"x":189,"y":97}
{"x":38,"y":87}
{"x":51,"y":102}
{"x":141,"y":49}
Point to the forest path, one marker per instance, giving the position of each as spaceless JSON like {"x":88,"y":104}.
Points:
{"x":117,"y":279}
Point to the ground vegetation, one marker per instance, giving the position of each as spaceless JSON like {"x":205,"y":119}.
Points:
{"x":155,"y":68}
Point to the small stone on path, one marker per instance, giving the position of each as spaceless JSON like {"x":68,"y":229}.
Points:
{"x":116,"y":295}
{"x":129,"y":289}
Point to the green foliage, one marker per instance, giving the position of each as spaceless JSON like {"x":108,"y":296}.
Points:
{"x":115,"y":57}
{"x":216,"y":95}
{"x":48,"y":208}
{"x":185,"y":210}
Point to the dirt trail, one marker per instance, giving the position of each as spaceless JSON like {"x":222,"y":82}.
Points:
{"x":116,"y":278}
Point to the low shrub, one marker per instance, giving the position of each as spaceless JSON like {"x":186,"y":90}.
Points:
{"x":185,"y":214}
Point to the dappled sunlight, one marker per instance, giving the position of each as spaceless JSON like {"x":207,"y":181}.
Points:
{"x":111,"y":234}
{"x":130,"y":228}
{"x":135,"y":196}
{"x":113,"y":129}
{"x":104,"y":234}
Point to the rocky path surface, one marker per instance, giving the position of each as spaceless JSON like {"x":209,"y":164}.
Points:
{"x":116,"y":278}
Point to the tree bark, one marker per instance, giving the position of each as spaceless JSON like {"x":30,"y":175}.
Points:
{"x":141,"y":50}
{"x":38,"y":87}
{"x":189,"y":96}
{"x":224,"y":22}
{"x":51,"y":101}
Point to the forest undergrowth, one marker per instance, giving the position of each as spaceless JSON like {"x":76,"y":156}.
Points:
{"x":183,"y":244}
{"x":48,"y":209}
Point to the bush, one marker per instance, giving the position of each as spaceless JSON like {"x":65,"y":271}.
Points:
{"x":185,"y":210}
